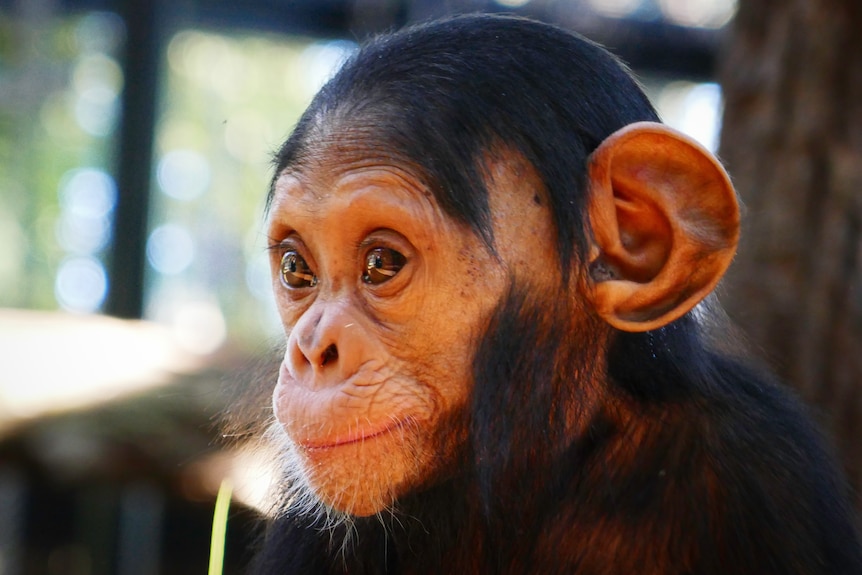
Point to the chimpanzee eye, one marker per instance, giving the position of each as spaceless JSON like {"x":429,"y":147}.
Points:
{"x":295,"y":272}
{"x":381,"y":264}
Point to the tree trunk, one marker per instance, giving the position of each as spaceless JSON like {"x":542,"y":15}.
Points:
{"x":792,"y":141}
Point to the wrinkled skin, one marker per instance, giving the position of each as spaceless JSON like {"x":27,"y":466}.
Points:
{"x":377,"y":366}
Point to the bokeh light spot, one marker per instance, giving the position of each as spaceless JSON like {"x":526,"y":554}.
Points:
{"x":88,"y":192}
{"x":183,"y":174}
{"x":81,"y":284}
{"x":98,"y":80}
{"x":170,"y":249}
{"x":100,"y":32}
{"x":698,"y":13}
{"x":512,"y":3}
{"x":694,"y":109}
{"x":321,"y":60}
{"x":614,"y":8}
{"x":82,"y":235}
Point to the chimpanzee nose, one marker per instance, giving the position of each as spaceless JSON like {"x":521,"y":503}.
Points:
{"x":329,"y":354}
{"x":326,"y":345}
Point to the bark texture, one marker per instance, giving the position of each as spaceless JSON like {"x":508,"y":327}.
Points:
{"x":792,"y":141}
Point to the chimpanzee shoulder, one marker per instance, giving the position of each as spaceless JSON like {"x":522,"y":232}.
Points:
{"x":720,"y":458}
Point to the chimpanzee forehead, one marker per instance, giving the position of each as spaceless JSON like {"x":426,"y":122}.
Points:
{"x":337,"y":149}
{"x":343,"y":128}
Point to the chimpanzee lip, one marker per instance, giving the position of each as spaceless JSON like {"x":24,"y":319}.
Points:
{"x":351,"y":437}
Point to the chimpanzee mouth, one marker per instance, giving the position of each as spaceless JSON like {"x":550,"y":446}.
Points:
{"x":351,"y":437}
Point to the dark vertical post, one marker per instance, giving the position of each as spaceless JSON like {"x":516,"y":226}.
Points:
{"x":134,"y":160}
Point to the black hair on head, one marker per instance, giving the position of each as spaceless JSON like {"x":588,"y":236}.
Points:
{"x":442,"y":96}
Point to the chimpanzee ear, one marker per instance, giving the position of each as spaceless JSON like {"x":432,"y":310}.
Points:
{"x":665,"y":225}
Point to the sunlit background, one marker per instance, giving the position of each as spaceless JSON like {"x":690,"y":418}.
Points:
{"x":230,"y":83}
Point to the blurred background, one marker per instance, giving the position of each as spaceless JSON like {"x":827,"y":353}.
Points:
{"x":135,"y":145}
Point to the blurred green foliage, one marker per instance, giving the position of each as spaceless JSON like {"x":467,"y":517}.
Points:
{"x":40,"y":141}
{"x":227,"y":101}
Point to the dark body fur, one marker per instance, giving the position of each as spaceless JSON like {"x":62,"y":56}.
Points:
{"x":691,"y":464}
{"x":683,"y":461}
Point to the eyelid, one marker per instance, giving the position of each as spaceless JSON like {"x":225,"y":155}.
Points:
{"x":290,"y":242}
{"x":293,"y":243}
{"x":386,"y":238}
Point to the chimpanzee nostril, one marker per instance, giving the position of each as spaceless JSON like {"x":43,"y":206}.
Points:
{"x":329,"y":354}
